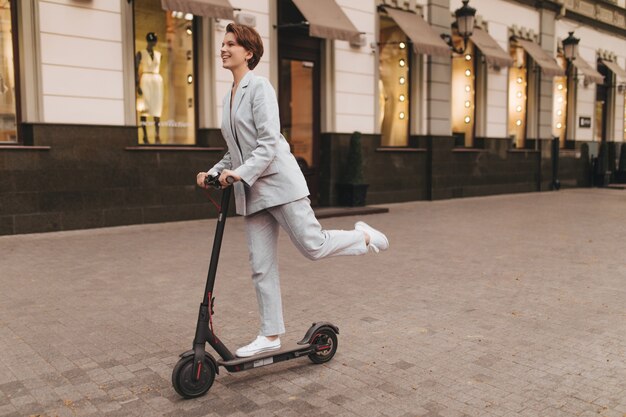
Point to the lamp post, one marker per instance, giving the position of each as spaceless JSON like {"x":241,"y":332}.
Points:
{"x":464,"y":17}
{"x":570,"y":52}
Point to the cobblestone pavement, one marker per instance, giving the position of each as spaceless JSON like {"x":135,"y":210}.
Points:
{"x":499,"y":306}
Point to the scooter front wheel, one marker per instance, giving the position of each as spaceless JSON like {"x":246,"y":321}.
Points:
{"x":325,"y":340}
{"x":183,"y":379}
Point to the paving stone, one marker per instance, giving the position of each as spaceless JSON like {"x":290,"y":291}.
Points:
{"x":500,"y":306}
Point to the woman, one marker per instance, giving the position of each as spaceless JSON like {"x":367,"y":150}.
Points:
{"x":270,"y":190}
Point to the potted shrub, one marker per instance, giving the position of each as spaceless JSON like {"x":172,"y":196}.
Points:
{"x":351,"y":188}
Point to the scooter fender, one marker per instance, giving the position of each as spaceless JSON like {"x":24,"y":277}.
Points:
{"x":306,"y":340}
{"x":191,"y":353}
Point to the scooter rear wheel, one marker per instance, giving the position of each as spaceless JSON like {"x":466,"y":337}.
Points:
{"x":183,"y":379}
{"x":327,"y":338}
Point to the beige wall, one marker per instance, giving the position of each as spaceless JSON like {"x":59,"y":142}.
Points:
{"x":591,"y":40}
{"x":81,"y":62}
{"x":83,"y":65}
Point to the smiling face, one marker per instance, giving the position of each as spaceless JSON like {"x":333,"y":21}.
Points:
{"x":233,"y":55}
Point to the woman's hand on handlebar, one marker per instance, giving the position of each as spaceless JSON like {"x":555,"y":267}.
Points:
{"x":200,"y":179}
{"x":227,"y":175}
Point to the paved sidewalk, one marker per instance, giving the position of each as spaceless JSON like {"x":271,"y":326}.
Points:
{"x":500,"y":306}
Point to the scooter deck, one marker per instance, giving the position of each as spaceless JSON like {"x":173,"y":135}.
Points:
{"x":291,"y":348}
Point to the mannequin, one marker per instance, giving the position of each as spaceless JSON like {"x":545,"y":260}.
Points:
{"x":149,"y":86}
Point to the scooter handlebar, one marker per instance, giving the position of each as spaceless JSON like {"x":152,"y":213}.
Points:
{"x":213,"y":180}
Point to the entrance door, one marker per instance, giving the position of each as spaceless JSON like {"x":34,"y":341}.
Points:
{"x":299,"y":93}
{"x":298,"y":115}
{"x":602,"y":105}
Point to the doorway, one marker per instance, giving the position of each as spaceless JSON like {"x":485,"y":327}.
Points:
{"x":299,"y":57}
{"x":602,"y":108}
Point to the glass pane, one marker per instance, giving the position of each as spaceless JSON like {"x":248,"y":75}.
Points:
{"x":165,"y":79}
{"x":598,"y":133}
{"x":518,"y":96}
{"x":298,"y":123}
{"x":463,"y":93}
{"x":8,"y":121}
{"x":393,"y":84}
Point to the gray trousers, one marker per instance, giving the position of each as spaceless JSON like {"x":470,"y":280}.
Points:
{"x":298,"y":220}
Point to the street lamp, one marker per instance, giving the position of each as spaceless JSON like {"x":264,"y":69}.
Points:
{"x":570,"y":47}
{"x":570,"y":52}
{"x":465,"y":17}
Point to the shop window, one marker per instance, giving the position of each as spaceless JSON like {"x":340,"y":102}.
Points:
{"x":560,"y":104}
{"x":165,"y":76}
{"x":518,"y":96}
{"x":8,"y":106}
{"x":464,"y":93}
{"x":394,"y":83}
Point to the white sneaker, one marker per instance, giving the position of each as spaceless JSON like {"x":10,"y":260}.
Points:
{"x":378,"y":241}
{"x":260,"y":344}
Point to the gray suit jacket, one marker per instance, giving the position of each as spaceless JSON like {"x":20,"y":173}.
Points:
{"x":257,"y":151}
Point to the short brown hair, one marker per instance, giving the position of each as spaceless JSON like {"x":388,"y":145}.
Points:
{"x":249,"y":39}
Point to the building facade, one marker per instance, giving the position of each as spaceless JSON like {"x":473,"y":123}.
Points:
{"x":110,"y":107}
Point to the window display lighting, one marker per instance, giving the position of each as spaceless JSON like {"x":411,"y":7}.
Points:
{"x":559,"y":106}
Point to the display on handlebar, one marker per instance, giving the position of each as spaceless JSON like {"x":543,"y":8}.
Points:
{"x":213,"y":180}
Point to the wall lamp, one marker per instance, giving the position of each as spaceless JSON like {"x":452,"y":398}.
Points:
{"x":465,"y":17}
{"x":570,"y":47}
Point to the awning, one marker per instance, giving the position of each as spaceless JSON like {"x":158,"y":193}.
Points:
{"x":424,"y":38}
{"x":548,"y":64}
{"x":327,"y":20}
{"x":220,"y":9}
{"x":493,"y":53}
{"x":619,"y":71}
{"x":588,"y":71}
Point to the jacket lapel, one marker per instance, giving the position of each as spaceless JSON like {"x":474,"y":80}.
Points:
{"x":226,"y":116}
{"x":241,"y":91}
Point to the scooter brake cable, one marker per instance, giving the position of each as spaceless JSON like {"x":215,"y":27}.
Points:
{"x":217,"y":206}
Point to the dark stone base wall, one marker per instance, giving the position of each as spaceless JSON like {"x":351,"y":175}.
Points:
{"x":432,"y":168}
{"x":95,"y":176}
{"x":574,"y":166}
{"x":393,"y":175}
{"x":76,"y":177}
{"x":492,"y":169}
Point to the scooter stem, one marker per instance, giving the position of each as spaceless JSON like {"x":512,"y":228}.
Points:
{"x":217,"y":243}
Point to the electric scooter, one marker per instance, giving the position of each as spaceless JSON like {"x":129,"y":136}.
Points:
{"x":195,"y":372}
